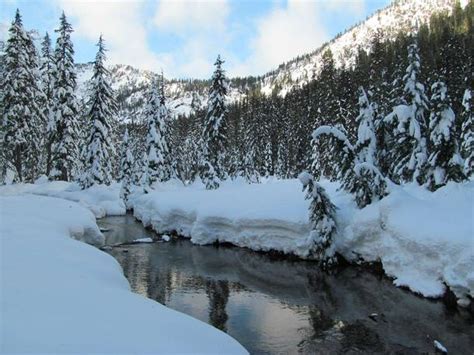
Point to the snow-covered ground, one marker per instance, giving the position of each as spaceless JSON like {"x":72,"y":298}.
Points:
{"x":101,"y":200}
{"x":424,"y":240}
{"x":59,"y":295}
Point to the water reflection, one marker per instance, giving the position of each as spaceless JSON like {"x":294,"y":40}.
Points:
{"x":282,"y":306}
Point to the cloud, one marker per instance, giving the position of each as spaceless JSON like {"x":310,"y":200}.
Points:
{"x":202,"y":29}
{"x":289,"y":30}
{"x":123,"y":28}
{"x":184,"y":16}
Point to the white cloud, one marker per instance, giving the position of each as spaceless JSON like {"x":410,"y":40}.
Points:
{"x":184,"y":16}
{"x":201,"y":26}
{"x":288,"y":31}
{"x":123,"y":28}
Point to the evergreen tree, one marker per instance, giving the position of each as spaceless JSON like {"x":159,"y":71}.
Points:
{"x":369,"y":184}
{"x":445,"y":162}
{"x":157,"y":149}
{"x":140,"y":170}
{"x":408,"y":145}
{"x":126,"y":169}
{"x":339,"y":151}
{"x":214,"y":137}
{"x":322,"y":215}
{"x":22,"y":116}
{"x":100,"y":151}
{"x":64,"y":117}
{"x":47,"y":81}
{"x":467,"y":136}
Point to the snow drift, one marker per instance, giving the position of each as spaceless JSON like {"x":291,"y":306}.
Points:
{"x":102,"y":200}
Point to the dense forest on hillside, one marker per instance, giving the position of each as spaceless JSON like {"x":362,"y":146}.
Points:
{"x":276,"y":131}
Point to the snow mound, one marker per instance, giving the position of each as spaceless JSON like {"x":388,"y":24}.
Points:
{"x":102,"y":200}
{"x":270,"y":216}
{"x":63,"y":296}
{"x":424,"y":239}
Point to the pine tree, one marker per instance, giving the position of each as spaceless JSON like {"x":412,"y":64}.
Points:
{"x":140,"y":169}
{"x":445,"y":162}
{"x":214,"y":137}
{"x":157,"y":149}
{"x":22,"y":116}
{"x":100,"y":151}
{"x":268,"y":164}
{"x":340,"y":152}
{"x":467,"y":135}
{"x":47,"y":81}
{"x":64,"y":117}
{"x":322,"y":215}
{"x":408,"y":146}
{"x":126,"y":169}
{"x":369,"y":184}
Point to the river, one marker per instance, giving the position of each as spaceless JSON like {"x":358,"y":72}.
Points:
{"x":275,"y":305}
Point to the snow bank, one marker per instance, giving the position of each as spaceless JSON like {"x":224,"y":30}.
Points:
{"x":424,"y":240}
{"x":63,"y":296}
{"x":269,"y":216}
{"x":102,"y":200}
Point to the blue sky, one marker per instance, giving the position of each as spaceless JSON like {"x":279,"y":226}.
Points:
{"x":183,"y":37}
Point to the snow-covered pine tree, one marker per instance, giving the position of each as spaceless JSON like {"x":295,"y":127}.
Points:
{"x":214,"y":135}
{"x":139,"y":170}
{"x":322,"y":216}
{"x":467,"y":134}
{"x":102,"y":109}
{"x":341,"y":153}
{"x":170,"y":171}
{"x":408,"y":154}
{"x":445,"y":162}
{"x":267,"y":162}
{"x":369,"y":185}
{"x":126,"y":168}
{"x":47,"y":82}
{"x":157,"y":149}
{"x":64,"y":118}
{"x":22,"y":116}
{"x":248,"y":171}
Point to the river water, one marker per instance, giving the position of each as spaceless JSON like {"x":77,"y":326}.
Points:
{"x":279,"y":305}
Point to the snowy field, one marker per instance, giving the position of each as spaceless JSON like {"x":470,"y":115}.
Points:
{"x":59,"y":295}
{"x":423,"y":239}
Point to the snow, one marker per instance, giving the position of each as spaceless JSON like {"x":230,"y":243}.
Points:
{"x":440,"y":347}
{"x":166,"y":238}
{"x":102,"y":200}
{"x":423,"y":239}
{"x":143,"y":240}
{"x":60,"y":295}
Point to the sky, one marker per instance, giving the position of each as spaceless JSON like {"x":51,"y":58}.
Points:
{"x":184,"y":37}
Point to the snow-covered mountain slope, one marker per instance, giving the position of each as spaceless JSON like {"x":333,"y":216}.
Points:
{"x":185,"y":96}
{"x":401,"y":15}
{"x":131,"y":84}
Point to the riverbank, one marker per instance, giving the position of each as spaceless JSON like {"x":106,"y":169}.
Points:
{"x":423,"y":240}
{"x":61,"y":295}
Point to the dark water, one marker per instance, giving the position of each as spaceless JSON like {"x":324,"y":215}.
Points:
{"x":282,"y":306}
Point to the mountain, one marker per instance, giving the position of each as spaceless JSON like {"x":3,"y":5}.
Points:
{"x":186,"y":96}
